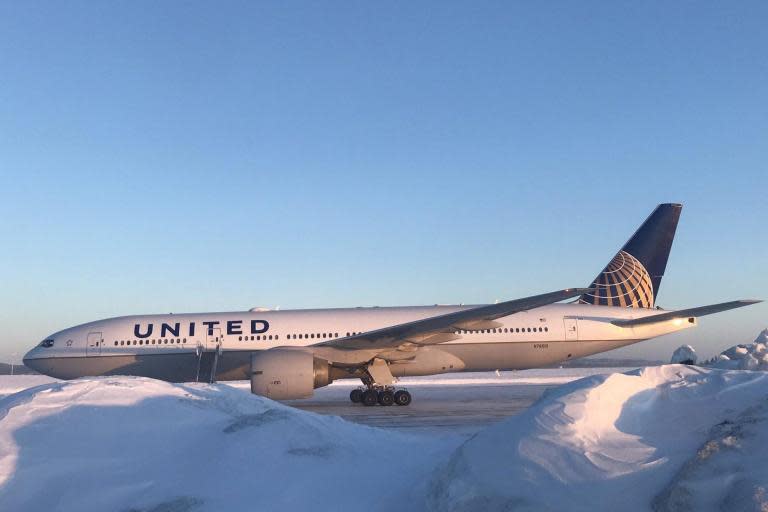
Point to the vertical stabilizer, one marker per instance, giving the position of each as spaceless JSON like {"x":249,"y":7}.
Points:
{"x":633,"y":276}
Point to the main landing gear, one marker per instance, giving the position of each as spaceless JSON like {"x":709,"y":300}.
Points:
{"x":379,"y":387}
{"x":383,"y":396}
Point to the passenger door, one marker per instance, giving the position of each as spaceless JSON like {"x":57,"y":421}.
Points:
{"x":571,"y":329}
{"x":93,"y":344}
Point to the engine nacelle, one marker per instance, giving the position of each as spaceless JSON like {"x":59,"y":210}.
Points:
{"x":284,"y":374}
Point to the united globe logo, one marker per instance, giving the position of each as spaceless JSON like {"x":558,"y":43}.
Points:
{"x":624,"y":282}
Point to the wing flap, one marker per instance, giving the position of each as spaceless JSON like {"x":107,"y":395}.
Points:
{"x":685,"y":313}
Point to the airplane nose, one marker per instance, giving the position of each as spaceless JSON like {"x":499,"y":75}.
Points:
{"x":29,"y":360}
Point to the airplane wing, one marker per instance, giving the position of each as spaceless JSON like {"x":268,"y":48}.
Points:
{"x":685,"y":313}
{"x":441,"y":328}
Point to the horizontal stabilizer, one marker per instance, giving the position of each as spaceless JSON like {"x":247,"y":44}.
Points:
{"x":685,"y":313}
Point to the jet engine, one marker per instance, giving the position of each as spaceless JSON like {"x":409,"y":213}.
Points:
{"x":284,"y":374}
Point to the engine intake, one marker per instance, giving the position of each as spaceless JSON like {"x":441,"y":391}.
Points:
{"x":284,"y":374}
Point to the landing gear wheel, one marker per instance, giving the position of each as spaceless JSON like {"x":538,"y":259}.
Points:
{"x":370,"y":397}
{"x":356,"y":395}
{"x":386,"y":397}
{"x":402,"y":397}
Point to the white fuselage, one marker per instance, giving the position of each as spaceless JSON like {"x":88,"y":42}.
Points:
{"x":172,"y":346}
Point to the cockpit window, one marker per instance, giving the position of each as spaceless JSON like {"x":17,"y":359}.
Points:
{"x":46,"y":343}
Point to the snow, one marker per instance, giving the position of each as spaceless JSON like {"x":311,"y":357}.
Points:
{"x":622,"y":441}
{"x":752,"y":356}
{"x":134,"y":443}
{"x":10,"y":384}
{"x":728,"y":472}
{"x":671,"y":437}
{"x":684,"y":354}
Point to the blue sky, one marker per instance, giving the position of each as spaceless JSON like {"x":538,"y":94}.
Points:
{"x":190,"y":156}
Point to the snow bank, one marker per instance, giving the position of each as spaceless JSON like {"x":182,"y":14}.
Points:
{"x":621,"y":441}
{"x":752,"y":356}
{"x":665,"y":438}
{"x":10,"y":384}
{"x":729,"y":471}
{"x":127,"y":443}
{"x":684,"y":354}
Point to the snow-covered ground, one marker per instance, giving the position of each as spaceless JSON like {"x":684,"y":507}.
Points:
{"x":665,"y":438}
{"x":448,"y":404}
{"x":748,"y":356}
{"x":671,"y":437}
{"x":130,"y":443}
{"x":684,"y":354}
{"x":443,"y":404}
{"x":10,"y":384}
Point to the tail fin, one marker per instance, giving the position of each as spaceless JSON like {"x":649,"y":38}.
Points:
{"x":633,"y":276}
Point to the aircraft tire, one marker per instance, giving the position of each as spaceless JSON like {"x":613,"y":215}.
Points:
{"x":403,"y":397}
{"x":370,"y":397}
{"x":356,"y":395}
{"x":386,"y":397}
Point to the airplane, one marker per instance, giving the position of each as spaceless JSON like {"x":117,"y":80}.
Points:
{"x":288,"y":354}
